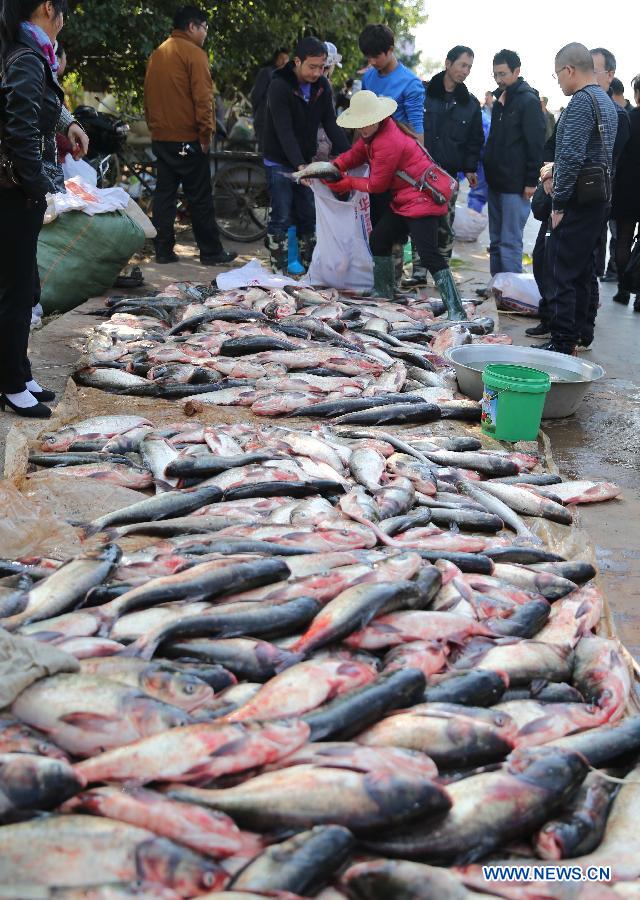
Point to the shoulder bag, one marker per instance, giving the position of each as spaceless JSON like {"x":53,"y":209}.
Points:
{"x":593,"y":184}
{"x":434,"y":181}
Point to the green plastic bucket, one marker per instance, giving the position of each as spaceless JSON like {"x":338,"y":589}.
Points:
{"x":512,"y":401}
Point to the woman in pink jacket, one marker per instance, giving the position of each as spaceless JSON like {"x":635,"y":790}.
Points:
{"x":387,"y":148}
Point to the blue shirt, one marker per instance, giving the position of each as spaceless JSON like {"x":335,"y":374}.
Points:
{"x":405,"y":88}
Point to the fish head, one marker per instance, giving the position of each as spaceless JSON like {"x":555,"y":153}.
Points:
{"x":554,"y":837}
{"x":552,"y":769}
{"x":151,"y":716}
{"x":162,"y":862}
{"x":182,"y":689}
{"x":34,"y":782}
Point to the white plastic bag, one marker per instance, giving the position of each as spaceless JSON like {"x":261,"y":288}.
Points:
{"x":341,"y":257}
{"x":253,"y":273}
{"x":468,"y":224}
{"x":78,"y":167}
{"x":84,"y":197}
{"x":516,"y":292}
{"x":140,"y":218}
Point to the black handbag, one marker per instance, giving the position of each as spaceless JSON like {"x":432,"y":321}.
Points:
{"x":593,"y":184}
{"x":541,"y":204}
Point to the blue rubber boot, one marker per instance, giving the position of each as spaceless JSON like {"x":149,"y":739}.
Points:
{"x":294,"y":266}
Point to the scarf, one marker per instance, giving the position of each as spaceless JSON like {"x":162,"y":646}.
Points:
{"x":43,"y":41}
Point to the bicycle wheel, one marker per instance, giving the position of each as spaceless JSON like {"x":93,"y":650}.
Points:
{"x":241,"y":201}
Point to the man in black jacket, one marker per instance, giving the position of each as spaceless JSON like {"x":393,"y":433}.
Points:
{"x":512,"y":160}
{"x":453,"y":132}
{"x":299,"y":101}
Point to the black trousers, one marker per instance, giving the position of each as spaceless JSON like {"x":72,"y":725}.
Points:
{"x":569,"y":271}
{"x":20,"y":224}
{"x":391,"y":228}
{"x":378,"y":206}
{"x":538,"y":271}
{"x":626,"y":233}
{"x":193,"y":173}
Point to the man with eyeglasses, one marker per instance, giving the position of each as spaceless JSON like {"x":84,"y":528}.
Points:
{"x":512,"y":160}
{"x":178,"y":101}
{"x":584,"y":140}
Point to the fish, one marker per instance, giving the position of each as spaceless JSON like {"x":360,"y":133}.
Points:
{"x":324,"y":170}
{"x":196,"y":753}
{"x":498,"y":507}
{"x":104,"y":427}
{"x":160,"y":680}
{"x":32,"y":782}
{"x":368,"y":467}
{"x":600,"y":746}
{"x":84,"y":715}
{"x":573,"y":617}
{"x":302,"y":864}
{"x":414,"y":625}
{"x":347,"y":715}
{"x":115,"y":381}
{"x":262,"y":619}
{"x":466,"y":562}
{"x":533,"y":659}
{"x":526,"y":503}
{"x":571,"y":492}
{"x":65,"y":587}
{"x":395,"y":498}
{"x":580,"y":826}
{"x":163,"y":506}
{"x":526,"y":621}
{"x":305,"y":796}
{"x":349,"y":755}
{"x":398,"y":413}
{"x":490,"y":808}
{"x":574,"y":570}
{"x":525,"y":556}
{"x":110,"y":851}
{"x":601,"y":674}
{"x":475,"y":688}
{"x":16,"y":737}
{"x":430,"y":657}
{"x":128,"y":475}
{"x":378,"y":879}
{"x":249,"y":659}
{"x":208,"y":832}
{"x":204,"y":581}
{"x":304,"y":687}
{"x":157,"y":453}
{"x":547,"y":584}
{"x":545,"y":692}
{"x":453,"y":736}
{"x":353,"y":609}
{"x":539,"y":723}
{"x":489,"y":464}
{"x":68,"y":459}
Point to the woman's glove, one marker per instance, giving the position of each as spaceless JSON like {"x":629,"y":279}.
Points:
{"x":341,"y":187}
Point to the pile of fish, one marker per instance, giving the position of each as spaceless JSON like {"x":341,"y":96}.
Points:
{"x":295,"y":351}
{"x":332,"y":662}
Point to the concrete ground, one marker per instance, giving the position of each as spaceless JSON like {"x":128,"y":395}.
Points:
{"x":601,"y":441}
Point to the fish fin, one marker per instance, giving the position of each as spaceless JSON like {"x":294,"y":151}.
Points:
{"x":535,"y":726}
{"x":89,"y":721}
{"x":286,"y":660}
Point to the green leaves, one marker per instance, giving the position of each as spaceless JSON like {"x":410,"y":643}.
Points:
{"x":108,"y":42}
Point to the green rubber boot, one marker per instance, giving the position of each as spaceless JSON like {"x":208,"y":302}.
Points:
{"x":383,"y":277}
{"x":450,"y":296}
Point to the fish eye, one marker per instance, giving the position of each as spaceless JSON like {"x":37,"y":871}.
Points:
{"x":208,"y":879}
{"x":189,"y":688}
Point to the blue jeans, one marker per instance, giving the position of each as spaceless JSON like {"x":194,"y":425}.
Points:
{"x":291,"y":204}
{"x":508,"y":214}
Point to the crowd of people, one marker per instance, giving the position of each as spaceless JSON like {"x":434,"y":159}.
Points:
{"x":580,"y":175}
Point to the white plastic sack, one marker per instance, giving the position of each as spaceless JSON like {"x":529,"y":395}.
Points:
{"x":341,"y":258}
{"x":140,"y":217}
{"x":82,"y":196}
{"x":78,"y":167}
{"x":468,"y":224}
{"x":516,"y":292}
{"x":251,"y":274}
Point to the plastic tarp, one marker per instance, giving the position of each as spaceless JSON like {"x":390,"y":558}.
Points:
{"x":23,"y":661}
{"x":79,"y":256}
{"x":252,"y":274}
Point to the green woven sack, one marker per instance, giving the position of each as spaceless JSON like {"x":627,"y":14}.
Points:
{"x":80,"y":256}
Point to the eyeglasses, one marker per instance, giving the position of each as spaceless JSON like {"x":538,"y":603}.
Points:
{"x":556,"y":74}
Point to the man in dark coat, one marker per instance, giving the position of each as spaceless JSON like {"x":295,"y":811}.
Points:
{"x":512,"y":161}
{"x":453,"y":132}
{"x":299,"y":101}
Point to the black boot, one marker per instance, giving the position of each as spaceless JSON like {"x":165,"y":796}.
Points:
{"x":636,"y":303}
{"x":538,"y":330}
{"x":277,"y":245}
{"x":449,"y":294}
{"x":554,"y":347}
{"x":621,"y":296}
{"x":306,"y":245}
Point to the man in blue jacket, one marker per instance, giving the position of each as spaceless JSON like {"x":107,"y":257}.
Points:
{"x":298,"y":102}
{"x":512,"y":160}
{"x":453,"y":132}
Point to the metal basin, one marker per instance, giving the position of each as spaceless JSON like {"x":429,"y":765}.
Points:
{"x":570,"y":375}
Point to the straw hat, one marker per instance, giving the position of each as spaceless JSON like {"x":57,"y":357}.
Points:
{"x":366,"y":108}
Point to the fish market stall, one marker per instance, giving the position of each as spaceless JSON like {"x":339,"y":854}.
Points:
{"x":325,"y":637}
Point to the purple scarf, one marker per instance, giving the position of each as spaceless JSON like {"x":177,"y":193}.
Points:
{"x":43,"y":41}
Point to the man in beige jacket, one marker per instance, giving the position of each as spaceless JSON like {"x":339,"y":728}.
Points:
{"x":178,"y":102}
